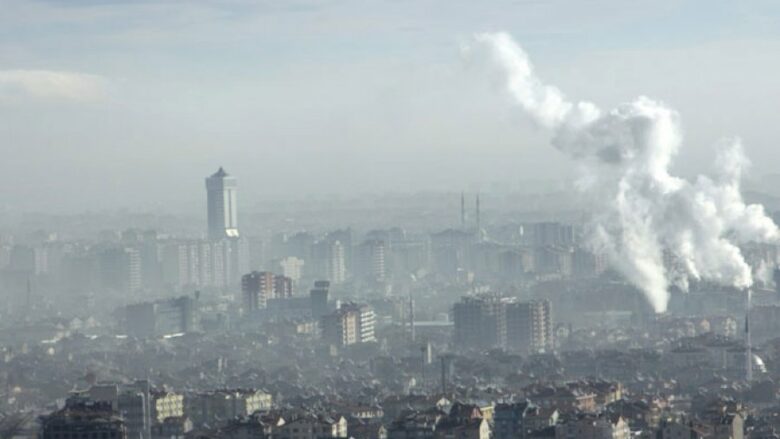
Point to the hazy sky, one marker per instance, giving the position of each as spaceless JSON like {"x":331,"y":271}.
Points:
{"x":107,"y":104}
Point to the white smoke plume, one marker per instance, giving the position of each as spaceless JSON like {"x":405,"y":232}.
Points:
{"x":657,"y":229}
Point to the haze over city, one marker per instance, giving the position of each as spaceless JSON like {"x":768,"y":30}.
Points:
{"x":349,"y":97}
{"x":389,"y":220}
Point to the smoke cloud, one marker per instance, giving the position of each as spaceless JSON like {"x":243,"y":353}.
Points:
{"x":657,"y":229}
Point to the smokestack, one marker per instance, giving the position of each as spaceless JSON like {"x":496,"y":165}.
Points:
{"x":644,"y":212}
{"x":462,"y":211}
{"x":748,"y":342}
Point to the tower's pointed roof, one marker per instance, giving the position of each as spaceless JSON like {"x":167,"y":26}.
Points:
{"x":220,"y":173}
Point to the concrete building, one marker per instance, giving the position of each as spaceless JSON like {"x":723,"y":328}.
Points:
{"x":172,"y":428}
{"x":477,"y":428}
{"x":211,"y":407}
{"x":529,"y":326}
{"x":592,"y":426}
{"x":451,"y":251}
{"x":311,"y":426}
{"x":222,"y":210}
{"x":202,"y":264}
{"x":480,"y":321}
{"x":493,"y":321}
{"x":134,"y":406}
{"x":292,"y":267}
{"x":258,"y":287}
{"x":132,"y":402}
{"x":348,"y":325}
{"x":328,"y":261}
{"x":550,"y":234}
{"x":415,"y":424}
{"x":725,"y":426}
{"x":373,"y":257}
{"x":509,"y":420}
{"x":318,"y":297}
{"x":120,"y":269}
{"x":283,"y":287}
{"x":344,"y":236}
{"x":82,"y":418}
{"x":167,"y":405}
{"x":161,"y":318}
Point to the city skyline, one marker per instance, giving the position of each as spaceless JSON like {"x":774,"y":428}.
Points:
{"x":314,"y":219}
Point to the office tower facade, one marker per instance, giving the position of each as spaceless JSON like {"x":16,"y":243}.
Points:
{"x":221,"y":205}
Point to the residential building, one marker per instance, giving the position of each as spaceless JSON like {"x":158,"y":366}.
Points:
{"x":312,"y":426}
{"x":224,"y":404}
{"x":318,"y":297}
{"x":167,"y":405}
{"x":258,"y":287}
{"x":480,"y":321}
{"x":529,"y":326}
{"x":490,"y":320}
{"x":593,"y":426}
{"x":350,"y":324}
{"x":160,"y":318}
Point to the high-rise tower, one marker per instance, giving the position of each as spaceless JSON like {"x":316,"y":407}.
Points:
{"x":221,"y":202}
